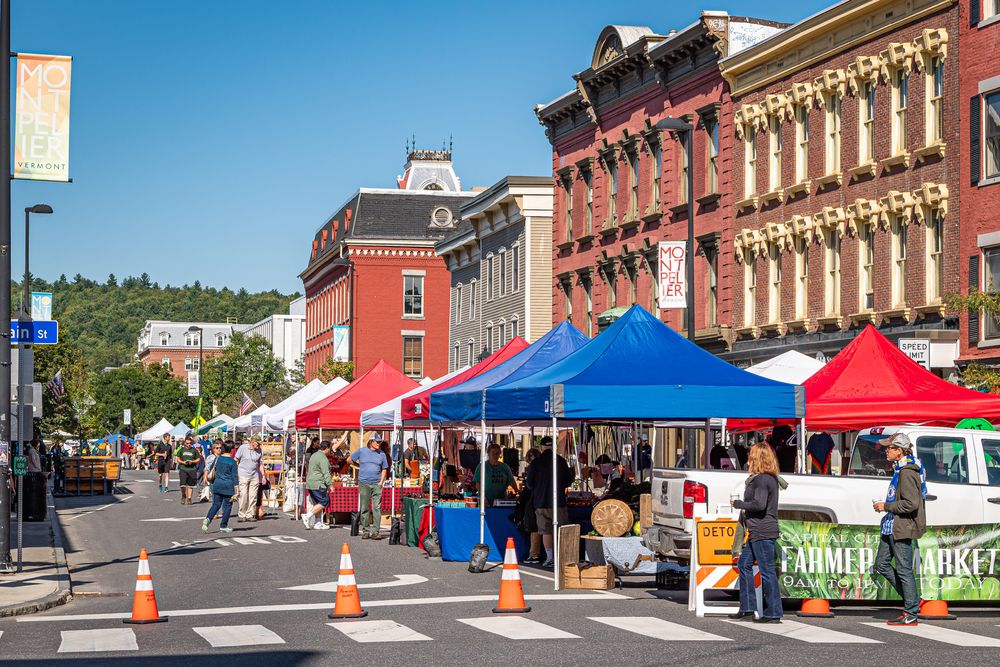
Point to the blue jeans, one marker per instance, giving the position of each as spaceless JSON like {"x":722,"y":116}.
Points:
{"x":761,"y":552}
{"x":226,"y":503}
{"x":900,"y":576}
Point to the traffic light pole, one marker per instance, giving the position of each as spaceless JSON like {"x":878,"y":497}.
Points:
{"x":6,"y":565}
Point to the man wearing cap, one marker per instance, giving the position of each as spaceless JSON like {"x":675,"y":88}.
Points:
{"x":372,"y":471}
{"x":539,"y":480}
{"x":903,"y":524}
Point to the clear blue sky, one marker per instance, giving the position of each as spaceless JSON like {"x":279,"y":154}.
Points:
{"x":209,"y":139}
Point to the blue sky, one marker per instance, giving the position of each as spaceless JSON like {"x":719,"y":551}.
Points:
{"x":209,"y":139}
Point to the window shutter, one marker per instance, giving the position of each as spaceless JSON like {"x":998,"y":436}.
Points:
{"x":975,"y":132}
{"x":973,"y":13}
{"x":974,"y":315}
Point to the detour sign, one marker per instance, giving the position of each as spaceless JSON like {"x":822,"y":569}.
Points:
{"x":715,"y":541}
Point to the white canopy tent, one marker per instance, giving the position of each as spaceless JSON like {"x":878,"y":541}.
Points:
{"x":792,"y":367}
{"x":278,"y":418}
{"x":243,"y":423}
{"x":179,"y":430}
{"x":388,"y":414}
{"x":155,"y":432}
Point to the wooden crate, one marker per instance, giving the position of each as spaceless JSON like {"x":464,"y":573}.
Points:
{"x":594,"y":577}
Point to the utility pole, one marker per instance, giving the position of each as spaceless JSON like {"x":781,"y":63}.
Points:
{"x":6,"y":565}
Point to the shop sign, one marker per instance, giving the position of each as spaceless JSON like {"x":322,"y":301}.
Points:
{"x":670,"y":274}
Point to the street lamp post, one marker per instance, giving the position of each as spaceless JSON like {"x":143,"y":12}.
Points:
{"x":262,"y":390}
{"x":6,"y":566}
{"x":201,"y":352}
{"x":679,"y":125}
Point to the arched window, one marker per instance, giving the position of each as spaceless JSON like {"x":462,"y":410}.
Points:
{"x":220,"y":339}
{"x":164,"y":339}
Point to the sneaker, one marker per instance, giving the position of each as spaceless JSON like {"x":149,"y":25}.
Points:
{"x":305,"y":521}
{"x":365,"y":536}
{"x":376,"y":536}
{"x":740,"y":615}
{"x":532,"y":560}
{"x":204,"y":525}
{"x":904,"y":619}
{"x":549,"y":563}
{"x":321,"y":526}
{"x":227,"y":529}
{"x":766,"y":619}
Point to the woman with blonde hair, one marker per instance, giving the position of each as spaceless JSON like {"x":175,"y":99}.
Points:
{"x":760,"y":508}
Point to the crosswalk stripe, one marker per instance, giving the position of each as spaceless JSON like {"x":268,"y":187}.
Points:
{"x":366,"y":632}
{"x":939,"y":634}
{"x":657,"y":628}
{"x":238,"y":635}
{"x":105,"y":639}
{"x":811,"y":634}
{"x":517,"y":627}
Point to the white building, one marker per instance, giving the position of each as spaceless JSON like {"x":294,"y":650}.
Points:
{"x":285,"y":333}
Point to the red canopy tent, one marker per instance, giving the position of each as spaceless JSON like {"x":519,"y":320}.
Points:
{"x":872,"y":383}
{"x":418,"y":406}
{"x":343,"y":409}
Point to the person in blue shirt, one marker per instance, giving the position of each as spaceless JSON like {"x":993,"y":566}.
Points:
{"x":223,"y":488}
{"x":372,"y":470}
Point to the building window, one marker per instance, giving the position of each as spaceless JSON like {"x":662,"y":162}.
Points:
{"x":164,"y":339}
{"x":774,"y":125}
{"x":935,"y":257}
{"x":684,"y":171}
{"x":613,"y":193}
{"x":832,"y":133}
{"x":935,"y":101}
{"x":220,"y":340}
{"x":454,"y":362}
{"x":712,"y":280}
{"x":654,"y":286}
{"x":633,"y":181}
{"x":513,"y":329}
{"x":750,"y":290}
{"x":712,"y":166}
{"x":750,"y":162}
{"x":165,"y":361}
{"x":515,"y":268}
{"x":413,"y":356}
{"x":588,"y":220}
{"x":990,"y":8}
{"x":413,"y":296}
{"x":992,"y":134}
{"x":866,"y":146}
{"x":192,"y":339}
{"x":499,"y":333}
{"x":832,"y":284}
{"x":774,"y":287}
{"x":991,"y":280}
{"x":632,"y":278}
{"x":801,"y":143}
{"x":458,"y":304}
{"x":866,"y":290}
{"x":568,"y":208}
{"x":567,"y":288}
{"x":503,"y":272}
{"x":656,"y":170}
{"x":471,"y":352}
{"x":801,"y":278}
{"x":490,"y":283}
{"x":900,"y":100}
{"x":187,"y":364}
{"x":588,"y":294}
{"x":473,"y":292}
{"x":611,"y":278}
{"x":899,"y":235}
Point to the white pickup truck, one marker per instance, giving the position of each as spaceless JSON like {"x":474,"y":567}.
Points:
{"x":963,"y":486}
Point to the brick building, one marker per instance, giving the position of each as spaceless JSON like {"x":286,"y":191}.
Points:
{"x":621,"y":184}
{"x":979,"y":103}
{"x":176,"y":346}
{"x":845,"y":180}
{"x":372,"y":269}
{"x":500,"y":259}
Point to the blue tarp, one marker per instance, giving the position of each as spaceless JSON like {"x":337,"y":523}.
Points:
{"x":639,"y":368}
{"x":464,"y":402}
{"x":112,"y":438}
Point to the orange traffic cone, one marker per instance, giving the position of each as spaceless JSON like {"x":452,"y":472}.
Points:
{"x":511,"y":594}
{"x":935,"y":610}
{"x":144,"y":603}
{"x":348,"y":602}
{"x":815,"y":608}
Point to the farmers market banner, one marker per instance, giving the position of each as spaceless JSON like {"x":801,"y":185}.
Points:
{"x":834,"y":561}
{"x":41,"y":133}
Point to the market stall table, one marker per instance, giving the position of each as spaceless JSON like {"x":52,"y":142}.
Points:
{"x":345,"y":498}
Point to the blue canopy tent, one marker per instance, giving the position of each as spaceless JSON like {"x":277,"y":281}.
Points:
{"x":638,"y":368}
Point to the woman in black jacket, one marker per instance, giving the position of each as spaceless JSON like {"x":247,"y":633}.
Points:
{"x":760,"y":507}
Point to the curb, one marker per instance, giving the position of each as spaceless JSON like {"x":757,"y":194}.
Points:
{"x":65,"y":592}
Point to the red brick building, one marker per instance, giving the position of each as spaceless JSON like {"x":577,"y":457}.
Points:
{"x":845,"y":171}
{"x":372,"y":270}
{"x":621,"y":183}
{"x":979,"y":144}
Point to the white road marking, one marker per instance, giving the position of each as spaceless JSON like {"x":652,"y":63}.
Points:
{"x":70,"y":517}
{"x":105,"y":639}
{"x":657,"y":628}
{"x":311,"y":606}
{"x":812,"y":634}
{"x":175,"y":519}
{"x":939,"y":634}
{"x":517,"y":627}
{"x":379,"y":632}
{"x":138,"y":481}
{"x":238,"y":635}
{"x":331,"y":586}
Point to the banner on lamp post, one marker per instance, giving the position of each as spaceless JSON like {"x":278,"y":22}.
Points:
{"x":41,"y":131}
{"x":41,"y":306}
{"x":671,"y":257}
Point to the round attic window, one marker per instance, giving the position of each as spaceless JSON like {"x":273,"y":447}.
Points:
{"x":442,"y":216}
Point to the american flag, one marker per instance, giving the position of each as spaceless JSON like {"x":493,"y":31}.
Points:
{"x":56,"y":386}
{"x":247,"y":405}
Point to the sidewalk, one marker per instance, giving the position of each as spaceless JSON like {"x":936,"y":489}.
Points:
{"x":45,"y":582}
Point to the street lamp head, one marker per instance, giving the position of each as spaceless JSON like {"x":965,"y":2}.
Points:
{"x":263,"y":393}
{"x":39,"y":208}
{"x":674,"y":124}
{"x":193,"y":329}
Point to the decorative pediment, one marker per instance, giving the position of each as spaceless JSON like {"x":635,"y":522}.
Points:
{"x":929,"y":197}
{"x":778,"y":234}
{"x":778,"y":104}
{"x":932,"y":42}
{"x":862,"y":212}
{"x":801,"y":94}
{"x":747,"y":116}
{"x":897,"y":204}
{"x":864,"y":69}
{"x":831,"y":218}
{"x":832,"y":81}
{"x":802,"y":226}
{"x":748,"y":241}
{"x":899,"y":55}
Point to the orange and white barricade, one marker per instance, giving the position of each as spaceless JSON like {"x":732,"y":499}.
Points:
{"x":712,"y":566}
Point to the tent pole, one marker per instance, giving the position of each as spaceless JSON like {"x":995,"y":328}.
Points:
{"x":295,"y":444}
{"x":361,"y":445}
{"x":555,"y":504}
{"x":708,"y":443}
{"x":802,"y":446}
{"x":392,"y":489}
{"x":430,"y":482}
{"x":482,"y":483}
{"x":635,"y":452}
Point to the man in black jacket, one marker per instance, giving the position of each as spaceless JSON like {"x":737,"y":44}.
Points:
{"x":539,"y":480}
{"x":903,"y":524}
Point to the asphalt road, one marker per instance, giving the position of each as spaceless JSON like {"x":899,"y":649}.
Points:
{"x":267,"y":587}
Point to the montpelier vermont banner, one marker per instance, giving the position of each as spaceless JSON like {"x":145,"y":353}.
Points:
{"x":41,"y":132}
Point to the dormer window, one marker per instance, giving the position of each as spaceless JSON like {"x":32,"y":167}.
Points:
{"x":220,"y":340}
{"x":191,"y":339}
{"x":164,"y":339}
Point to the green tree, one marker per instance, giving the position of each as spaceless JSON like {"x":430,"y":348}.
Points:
{"x":336,"y":369}
{"x":151,"y":392}
{"x":60,"y":414}
{"x":246,"y":365}
{"x":977,"y":376}
{"x":297,"y":376}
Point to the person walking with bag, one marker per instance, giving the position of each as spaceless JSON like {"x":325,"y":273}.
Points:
{"x":903,"y":524}
{"x":251,"y":470}
{"x":318,"y":482}
{"x":760,"y":508}
{"x":222,"y":475}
